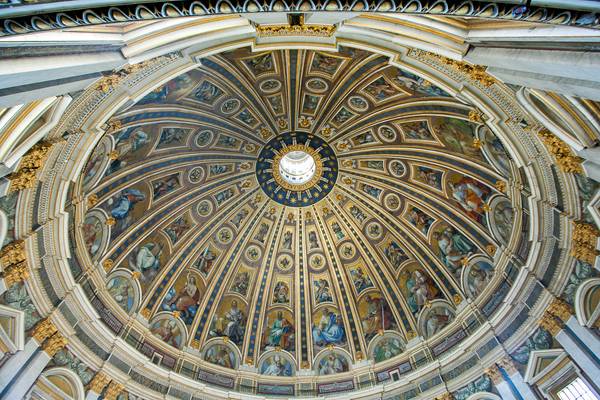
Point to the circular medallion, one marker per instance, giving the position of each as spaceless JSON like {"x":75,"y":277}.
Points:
{"x":317,"y":85}
{"x":284,"y":262}
{"x":270,"y":86}
{"x":316,"y":261}
{"x":253,"y":253}
{"x":347,"y":251}
{"x":204,"y":208}
{"x":230,"y":106}
{"x":297,"y":169}
{"x":358,"y":103}
{"x":196,"y":175}
{"x":387,"y":134}
{"x":374,"y":230}
{"x":397,"y":168}
{"x":203,"y":138}
{"x":392,"y":202}
{"x":225,"y":235}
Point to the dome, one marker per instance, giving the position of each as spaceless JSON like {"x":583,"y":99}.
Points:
{"x":292,"y":224}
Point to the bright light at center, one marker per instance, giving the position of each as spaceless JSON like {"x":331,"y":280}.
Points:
{"x":297,"y":167}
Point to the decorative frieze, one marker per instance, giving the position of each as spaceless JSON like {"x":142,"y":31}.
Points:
{"x":295,"y":30}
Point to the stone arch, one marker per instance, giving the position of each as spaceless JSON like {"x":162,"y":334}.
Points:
{"x":587,"y":302}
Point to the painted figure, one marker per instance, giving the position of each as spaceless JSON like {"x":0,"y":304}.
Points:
{"x":241,"y":283}
{"x":453,"y":248}
{"x":329,"y":329}
{"x":387,"y":348}
{"x":287,"y":240}
{"x":146,"y":261}
{"x":164,"y":186}
{"x":280,"y":333}
{"x":419,"y":289}
{"x":232,"y":324}
{"x":124,"y":204}
{"x":420,"y":220}
{"x":281,"y":293}
{"x":205,"y":261}
{"x":395,"y":254}
{"x":207,"y":92}
{"x":168,"y":331}
{"x":312,"y":240}
{"x":381,"y":89}
{"x":377,"y":318}
{"x":187,"y":300}
{"x":276,"y":366}
{"x":322,"y":291}
{"x":430,"y":177}
{"x":360,"y":279}
{"x":417,"y":130}
{"x":172,"y":136}
{"x":471,"y":196}
{"x":220,"y":355}
{"x":121,"y":290}
{"x":437,"y":320}
{"x":333,"y":364}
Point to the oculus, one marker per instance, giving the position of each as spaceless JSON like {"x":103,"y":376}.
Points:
{"x":297,"y":169}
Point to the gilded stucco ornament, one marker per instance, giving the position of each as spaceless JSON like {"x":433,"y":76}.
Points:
{"x":295,"y":30}
{"x":550,"y":323}
{"x":584,"y":241}
{"x":55,"y":343}
{"x":474,"y":72}
{"x":508,"y":365}
{"x":495,"y":375}
{"x":13,"y":253}
{"x":99,"y":382}
{"x":564,"y":155}
{"x":43,"y":330}
{"x":560,"y":309}
{"x":25,"y":176}
{"x":113,"y":390}
{"x":15,"y":273}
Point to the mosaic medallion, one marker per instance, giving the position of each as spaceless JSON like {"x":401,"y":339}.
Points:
{"x":297,"y":169}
